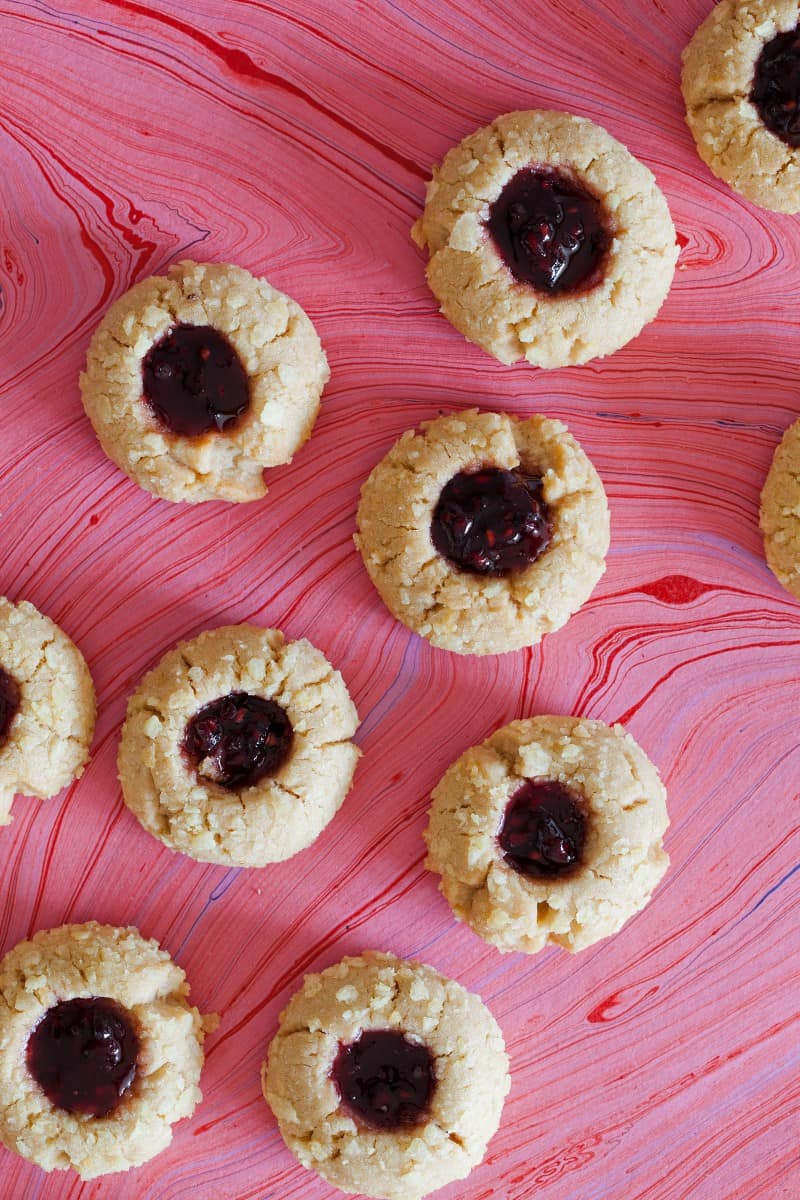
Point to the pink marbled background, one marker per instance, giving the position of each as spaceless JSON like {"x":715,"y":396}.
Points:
{"x":295,"y":138}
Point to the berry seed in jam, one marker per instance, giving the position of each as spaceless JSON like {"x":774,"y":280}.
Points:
{"x":544,"y":829}
{"x":385,"y":1080}
{"x":550,"y":231}
{"x":83,"y":1054}
{"x":194,"y":381}
{"x":9,"y":703}
{"x":776,"y":86}
{"x":491,"y":521}
{"x":237,"y":740}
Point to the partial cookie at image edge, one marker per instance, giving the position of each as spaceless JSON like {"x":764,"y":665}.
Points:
{"x":717,"y":82}
{"x":89,"y":961}
{"x":47,"y":706}
{"x":779,"y":514}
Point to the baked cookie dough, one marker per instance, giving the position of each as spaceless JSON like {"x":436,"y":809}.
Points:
{"x":198,"y":379}
{"x":47,"y":706}
{"x":100,"y":1052}
{"x":386,"y":1078}
{"x":236,"y":748}
{"x":547,"y":239}
{"x":484,"y":531}
{"x":741,"y":84}
{"x":549,"y":831}
{"x":780,"y":512}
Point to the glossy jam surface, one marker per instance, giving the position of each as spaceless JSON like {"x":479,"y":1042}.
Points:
{"x":83,"y":1054}
{"x":550,"y":231}
{"x":544,"y":829}
{"x":9,"y":703}
{"x":776,"y":86}
{"x":194,"y":381}
{"x":385,"y":1080}
{"x":491,"y":521}
{"x":237,"y":740}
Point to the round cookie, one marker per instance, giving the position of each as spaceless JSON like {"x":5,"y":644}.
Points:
{"x":537,"y":530}
{"x":550,"y":831}
{"x":780,"y":512}
{"x":236,"y":748}
{"x":100,"y":1052}
{"x":547,"y":239}
{"x":741,"y":85}
{"x":198,"y":379}
{"x":47,"y":706}
{"x":386,"y":1078}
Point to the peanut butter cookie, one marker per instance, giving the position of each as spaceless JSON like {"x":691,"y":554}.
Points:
{"x":198,"y":379}
{"x":386,"y":1078}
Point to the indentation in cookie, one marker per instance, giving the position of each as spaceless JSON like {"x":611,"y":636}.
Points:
{"x":194,"y":381}
{"x":9,"y":703}
{"x":544,"y":829}
{"x":238,"y":739}
{"x":550,"y":231}
{"x":776,"y":86}
{"x":491,"y":521}
{"x":84,"y":1055}
{"x":385,"y":1080}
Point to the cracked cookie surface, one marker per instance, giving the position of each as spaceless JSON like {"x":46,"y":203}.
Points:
{"x":276,"y":346}
{"x":780,"y":511}
{"x":478,"y":293}
{"x":719,"y":70}
{"x":621,"y":859}
{"x":91,"y":961}
{"x":47,"y":706}
{"x":379,"y":992}
{"x":472,"y":613}
{"x":199,"y":806}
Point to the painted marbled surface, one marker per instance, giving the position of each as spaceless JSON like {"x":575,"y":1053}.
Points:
{"x":295,"y":139}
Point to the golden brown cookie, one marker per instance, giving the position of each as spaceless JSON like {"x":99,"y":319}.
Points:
{"x":100,"y":1051}
{"x":198,"y":379}
{"x":780,"y":512}
{"x":484,"y":531}
{"x":386,"y":1078}
{"x":47,"y":706}
{"x":549,"y":831}
{"x":236,"y":748}
{"x":547,"y":239}
{"x":741,"y":85}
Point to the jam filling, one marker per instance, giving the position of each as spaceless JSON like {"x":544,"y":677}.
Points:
{"x":385,"y":1080}
{"x":776,"y":86}
{"x":544,"y":829}
{"x":83,"y":1054}
{"x":194,"y":381}
{"x":550,"y":231}
{"x":9,"y":703}
{"x":491,"y":521}
{"x":237,"y":740}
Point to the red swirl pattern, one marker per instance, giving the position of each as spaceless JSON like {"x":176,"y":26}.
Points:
{"x":295,"y":138}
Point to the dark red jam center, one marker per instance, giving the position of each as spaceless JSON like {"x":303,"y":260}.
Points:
{"x":9,"y":703}
{"x":238,"y":739}
{"x":776,"y":86}
{"x":194,"y":381}
{"x":83,"y":1054}
{"x":550,"y":232}
{"x":385,"y":1080}
{"x":491,"y":521}
{"x":544,"y":829}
